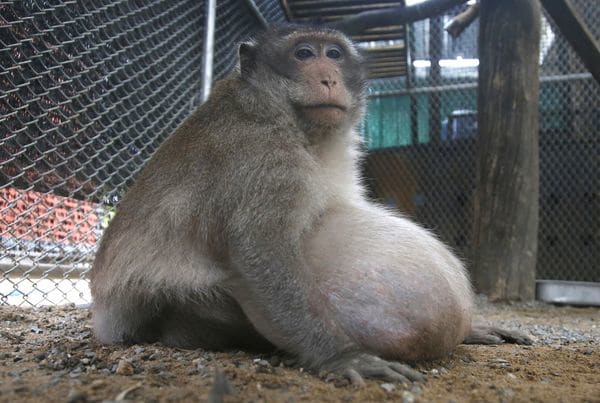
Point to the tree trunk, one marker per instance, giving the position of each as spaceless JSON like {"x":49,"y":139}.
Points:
{"x":505,"y":222}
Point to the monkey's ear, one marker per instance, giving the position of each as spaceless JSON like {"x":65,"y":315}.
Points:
{"x":247,"y":57}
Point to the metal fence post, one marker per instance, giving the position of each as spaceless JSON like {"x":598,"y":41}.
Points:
{"x":208,"y":55}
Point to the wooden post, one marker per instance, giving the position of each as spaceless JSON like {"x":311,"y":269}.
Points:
{"x":505,"y":222}
{"x":410,"y":85}
{"x":436,"y":31}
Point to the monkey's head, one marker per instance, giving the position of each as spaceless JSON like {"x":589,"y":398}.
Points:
{"x":316,"y":74}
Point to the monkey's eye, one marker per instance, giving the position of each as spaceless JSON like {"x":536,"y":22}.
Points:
{"x":334,"y":52}
{"x":303,"y":53}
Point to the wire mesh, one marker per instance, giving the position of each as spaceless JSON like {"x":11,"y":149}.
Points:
{"x":421,"y":132}
{"x":89,"y":91}
{"x":569,"y":238}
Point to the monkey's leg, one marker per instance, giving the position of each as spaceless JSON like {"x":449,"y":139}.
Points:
{"x":210,"y":320}
{"x":490,"y":335}
{"x":216,"y":324}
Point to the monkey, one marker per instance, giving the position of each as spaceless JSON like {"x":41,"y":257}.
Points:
{"x":250,"y":228}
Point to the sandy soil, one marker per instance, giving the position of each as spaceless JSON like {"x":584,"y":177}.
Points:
{"x":49,"y":354}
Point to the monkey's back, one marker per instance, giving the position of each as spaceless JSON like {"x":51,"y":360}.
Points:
{"x":177,"y":186}
{"x":182,"y":198}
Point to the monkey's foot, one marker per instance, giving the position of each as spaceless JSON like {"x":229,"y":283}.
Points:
{"x":358,"y":367}
{"x":494,"y":335}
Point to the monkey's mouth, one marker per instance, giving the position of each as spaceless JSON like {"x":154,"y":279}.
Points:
{"x":325,"y":107}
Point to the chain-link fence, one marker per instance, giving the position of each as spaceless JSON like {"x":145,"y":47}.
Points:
{"x":90,"y":89}
{"x":422,"y":129}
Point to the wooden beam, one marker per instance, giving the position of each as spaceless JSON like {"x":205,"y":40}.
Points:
{"x":462,"y":21}
{"x":356,"y":24}
{"x":572,"y":26}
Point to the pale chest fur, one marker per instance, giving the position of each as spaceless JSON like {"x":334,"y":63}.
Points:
{"x":339,"y":174}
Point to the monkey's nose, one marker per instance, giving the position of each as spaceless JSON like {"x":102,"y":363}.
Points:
{"x":328,"y":83}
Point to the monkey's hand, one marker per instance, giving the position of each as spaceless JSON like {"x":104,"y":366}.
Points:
{"x":493,"y":335}
{"x":359,"y":366}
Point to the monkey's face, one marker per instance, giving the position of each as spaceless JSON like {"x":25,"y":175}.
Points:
{"x":318,"y":73}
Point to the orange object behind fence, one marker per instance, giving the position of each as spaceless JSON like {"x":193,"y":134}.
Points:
{"x":34,"y":216}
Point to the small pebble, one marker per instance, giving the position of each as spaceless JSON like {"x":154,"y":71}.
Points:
{"x":388,"y":387}
{"x":407,"y":397}
{"x":76,"y":372}
{"x":265,"y":370}
{"x":89,"y":354}
{"x":499,"y":363}
{"x":262,"y":363}
{"x":124,"y":367}
{"x":36,"y":330}
{"x":202,"y":370}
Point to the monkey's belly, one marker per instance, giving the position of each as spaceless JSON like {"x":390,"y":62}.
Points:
{"x":398,"y":322}
{"x":395,"y":289}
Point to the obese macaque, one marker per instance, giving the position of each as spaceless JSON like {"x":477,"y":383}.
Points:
{"x":250,"y":228}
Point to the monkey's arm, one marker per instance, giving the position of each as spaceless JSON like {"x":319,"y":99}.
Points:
{"x":276,"y":289}
{"x":275,"y":296}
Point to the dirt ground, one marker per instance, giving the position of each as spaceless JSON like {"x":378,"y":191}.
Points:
{"x":50,"y":355}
